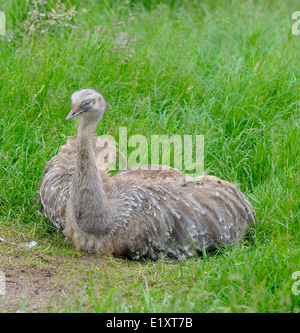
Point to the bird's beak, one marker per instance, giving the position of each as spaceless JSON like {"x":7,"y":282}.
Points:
{"x":71,"y":115}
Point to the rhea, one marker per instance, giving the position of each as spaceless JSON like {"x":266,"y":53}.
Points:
{"x":140,"y":213}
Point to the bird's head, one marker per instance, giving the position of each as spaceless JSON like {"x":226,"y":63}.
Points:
{"x":87,"y":103}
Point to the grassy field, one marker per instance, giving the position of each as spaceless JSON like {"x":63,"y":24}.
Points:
{"x":228,"y":70}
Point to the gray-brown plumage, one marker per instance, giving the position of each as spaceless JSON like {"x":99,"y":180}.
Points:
{"x":54,"y":188}
{"x":154,"y":173}
{"x":143,"y":213}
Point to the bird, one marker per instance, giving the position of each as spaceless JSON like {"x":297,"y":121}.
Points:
{"x":140,"y":213}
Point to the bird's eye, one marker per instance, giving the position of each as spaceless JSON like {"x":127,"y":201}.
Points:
{"x":88,"y":103}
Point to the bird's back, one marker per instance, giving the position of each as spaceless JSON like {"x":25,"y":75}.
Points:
{"x":154,"y":174}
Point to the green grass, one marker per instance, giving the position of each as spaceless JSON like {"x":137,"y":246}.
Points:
{"x":226,"y":69}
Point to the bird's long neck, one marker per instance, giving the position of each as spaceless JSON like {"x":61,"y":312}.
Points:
{"x":85,"y":152}
{"x":88,"y":199}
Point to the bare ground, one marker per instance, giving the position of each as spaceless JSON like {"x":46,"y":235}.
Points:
{"x":37,"y":282}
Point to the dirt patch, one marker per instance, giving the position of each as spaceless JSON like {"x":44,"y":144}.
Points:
{"x":51,"y":276}
{"x":41,"y":286}
{"x":28,"y":288}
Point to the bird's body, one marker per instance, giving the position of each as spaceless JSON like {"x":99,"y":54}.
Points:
{"x":174,"y":219}
{"x":139,"y":213}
